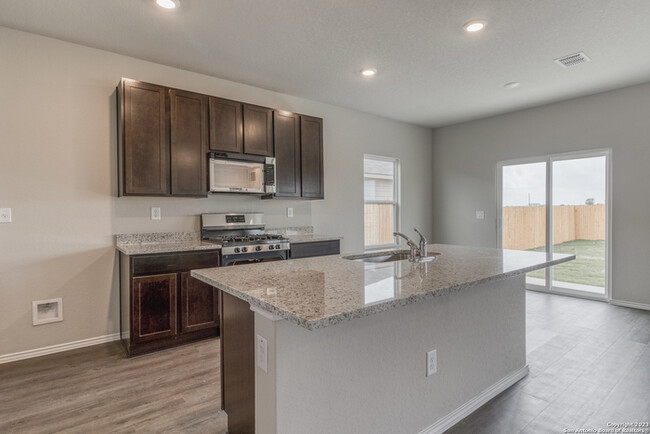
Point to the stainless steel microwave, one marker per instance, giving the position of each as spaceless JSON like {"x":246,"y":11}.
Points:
{"x":242,"y":176}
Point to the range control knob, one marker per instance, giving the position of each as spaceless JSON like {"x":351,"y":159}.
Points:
{"x":258,"y":248}
{"x":271,"y":247}
{"x":244,"y":249}
{"x":277,"y":247}
{"x":237,"y":250}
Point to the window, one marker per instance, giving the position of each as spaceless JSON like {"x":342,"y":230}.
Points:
{"x":381,"y":200}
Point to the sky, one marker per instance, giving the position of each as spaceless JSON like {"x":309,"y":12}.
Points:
{"x":574,"y":181}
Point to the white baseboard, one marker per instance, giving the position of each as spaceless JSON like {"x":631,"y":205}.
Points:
{"x":446,"y":422}
{"x":631,"y":304}
{"x":58,"y":348}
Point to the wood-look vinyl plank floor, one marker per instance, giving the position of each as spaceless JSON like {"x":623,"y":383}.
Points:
{"x":99,"y":390}
{"x":589,"y":366}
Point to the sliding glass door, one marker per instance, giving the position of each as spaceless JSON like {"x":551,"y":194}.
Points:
{"x":577,"y":222}
{"x":524,"y":212}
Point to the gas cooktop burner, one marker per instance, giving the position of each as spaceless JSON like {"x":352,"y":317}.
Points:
{"x":250,"y":238}
{"x":242,"y":235}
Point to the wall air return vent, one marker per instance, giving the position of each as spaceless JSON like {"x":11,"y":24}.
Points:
{"x":572,"y":59}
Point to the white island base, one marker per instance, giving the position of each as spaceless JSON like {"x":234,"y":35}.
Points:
{"x":368,"y":375}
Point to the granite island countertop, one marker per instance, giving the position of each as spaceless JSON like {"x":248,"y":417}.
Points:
{"x":322,"y":291}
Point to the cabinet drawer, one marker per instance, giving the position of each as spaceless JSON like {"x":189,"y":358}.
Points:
{"x":317,"y":248}
{"x":174,"y":262}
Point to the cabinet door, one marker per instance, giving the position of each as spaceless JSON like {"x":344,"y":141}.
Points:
{"x":154,"y":307}
{"x":316,"y":248}
{"x":286,"y":140}
{"x":311,"y":146}
{"x":199,"y":309}
{"x":145,"y":144}
{"x":226,"y":126}
{"x":189,"y":143}
{"x":258,"y":130}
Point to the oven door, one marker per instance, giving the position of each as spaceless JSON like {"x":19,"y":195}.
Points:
{"x":253,"y":258}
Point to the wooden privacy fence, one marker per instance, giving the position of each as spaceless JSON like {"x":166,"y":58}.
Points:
{"x":524,"y":227}
{"x":378,"y":223}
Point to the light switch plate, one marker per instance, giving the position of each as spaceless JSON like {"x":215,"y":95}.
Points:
{"x":289,"y":212}
{"x":432,"y":362}
{"x":5,"y":215}
{"x":480,"y":215}
{"x":155,"y":213}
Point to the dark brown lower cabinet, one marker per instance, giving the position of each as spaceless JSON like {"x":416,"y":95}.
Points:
{"x":199,"y":305}
{"x":315,"y":248}
{"x":154,"y":307}
{"x":162,"y":305}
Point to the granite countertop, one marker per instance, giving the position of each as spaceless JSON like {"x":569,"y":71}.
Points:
{"x":167,"y":242}
{"x":322,"y":291}
{"x":308,"y":238}
{"x":182,"y":246}
{"x":162,"y":242}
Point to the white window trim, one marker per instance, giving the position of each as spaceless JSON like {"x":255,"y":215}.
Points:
{"x":396,"y":200}
{"x":549,"y":159}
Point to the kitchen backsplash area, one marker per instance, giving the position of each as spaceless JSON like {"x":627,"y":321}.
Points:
{"x":132,"y":215}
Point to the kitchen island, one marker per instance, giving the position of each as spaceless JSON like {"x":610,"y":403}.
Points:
{"x":330,"y":344}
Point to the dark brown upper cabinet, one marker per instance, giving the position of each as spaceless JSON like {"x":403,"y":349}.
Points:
{"x":258,"y":130}
{"x":189,"y":143}
{"x":226,"y":125}
{"x":311,"y":157}
{"x":164,"y":135}
{"x":298,"y":142}
{"x":143,"y":139}
{"x":163,"y":141}
{"x":286,"y":138}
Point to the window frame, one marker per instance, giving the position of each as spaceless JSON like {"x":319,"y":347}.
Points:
{"x":395,"y":202}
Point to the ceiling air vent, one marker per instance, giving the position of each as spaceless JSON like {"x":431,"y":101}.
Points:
{"x":572,"y":59}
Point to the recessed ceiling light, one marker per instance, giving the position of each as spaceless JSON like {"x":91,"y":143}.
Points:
{"x":168,"y":4}
{"x":474,"y":26}
{"x":512,"y":85}
{"x":368,"y":72}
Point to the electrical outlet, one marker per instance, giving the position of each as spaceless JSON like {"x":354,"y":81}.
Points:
{"x":155,"y":213}
{"x":432,"y":362}
{"x":289,"y":212}
{"x":262,"y":358}
{"x":480,"y":215}
{"x":5,"y":215}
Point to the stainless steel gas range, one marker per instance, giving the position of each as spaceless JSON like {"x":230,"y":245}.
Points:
{"x":242,"y":238}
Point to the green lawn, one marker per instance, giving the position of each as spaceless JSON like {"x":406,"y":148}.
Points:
{"x":588,"y":268}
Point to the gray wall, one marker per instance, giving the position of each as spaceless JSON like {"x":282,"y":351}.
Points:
{"x":465,"y":159}
{"x":57,"y":172}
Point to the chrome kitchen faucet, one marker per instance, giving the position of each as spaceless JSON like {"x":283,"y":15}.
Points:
{"x":418,"y":252}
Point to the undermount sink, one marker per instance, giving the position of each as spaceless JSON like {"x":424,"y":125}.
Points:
{"x":389,"y":256}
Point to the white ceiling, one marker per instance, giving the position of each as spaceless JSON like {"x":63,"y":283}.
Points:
{"x":431,"y":72}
